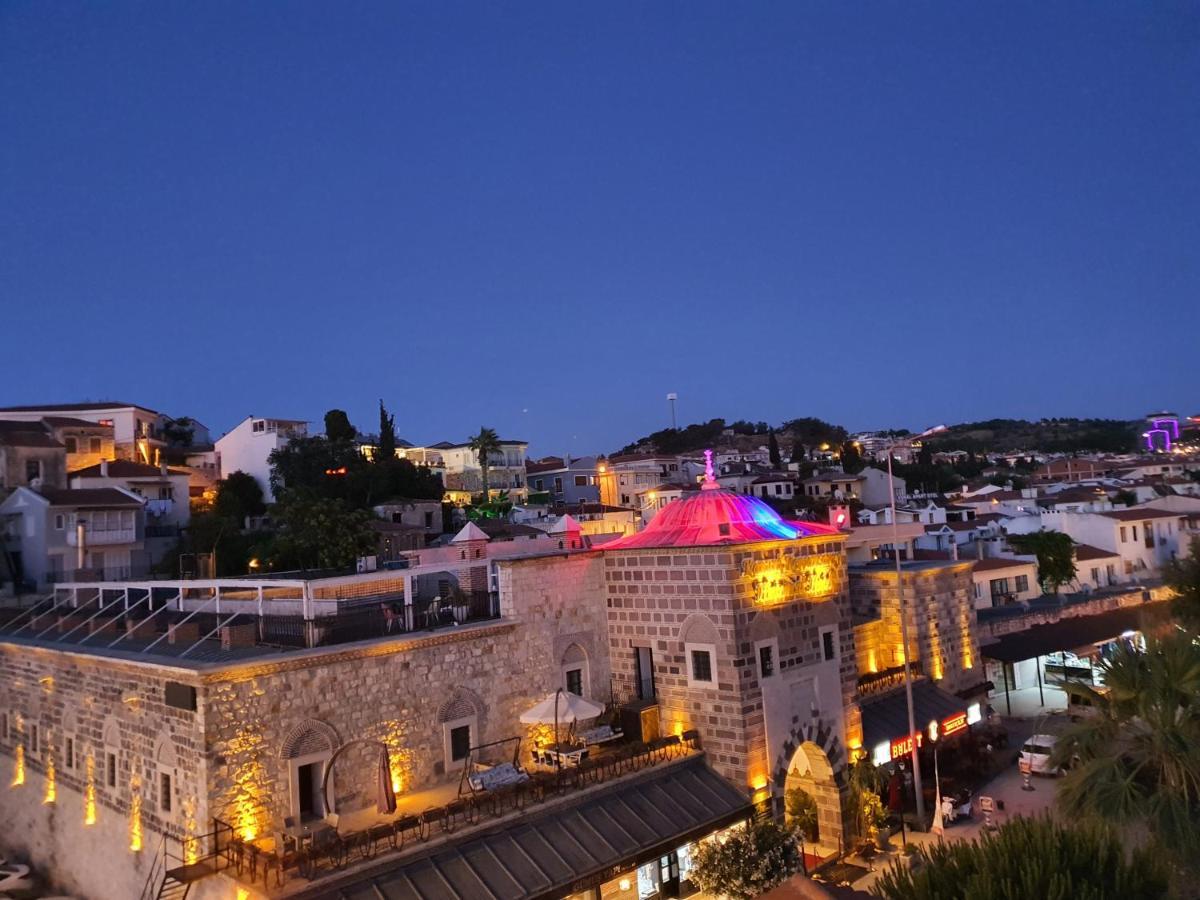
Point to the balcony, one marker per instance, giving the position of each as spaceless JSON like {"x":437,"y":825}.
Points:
{"x":105,"y":538}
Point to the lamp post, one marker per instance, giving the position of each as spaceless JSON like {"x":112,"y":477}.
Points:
{"x":912,"y":719}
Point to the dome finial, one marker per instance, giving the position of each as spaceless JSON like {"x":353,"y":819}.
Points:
{"x":710,"y":481}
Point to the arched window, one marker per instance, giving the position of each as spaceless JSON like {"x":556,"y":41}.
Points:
{"x":700,"y":639}
{"x":167,"y":763}
{"x":575,"y":674}
{"x":111,"y":747}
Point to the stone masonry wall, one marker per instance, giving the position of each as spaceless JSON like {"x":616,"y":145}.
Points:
{"x":396,"y":691}
{"x":102,"y":705}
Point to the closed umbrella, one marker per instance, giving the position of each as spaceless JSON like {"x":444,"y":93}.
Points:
{"x":385,"y":798}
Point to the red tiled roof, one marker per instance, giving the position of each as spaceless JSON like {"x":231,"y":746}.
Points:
{"x":125,"y":468}
{"x":999,"y":562}
{"x":1085,"y":552}
{"x":1138,"y":514}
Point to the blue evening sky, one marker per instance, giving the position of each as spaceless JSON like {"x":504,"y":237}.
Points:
{"x":545,"y":216}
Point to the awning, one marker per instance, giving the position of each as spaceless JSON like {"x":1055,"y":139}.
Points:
{"x":561,"y":850}
{"x":886,"y":719}
{"x":1078,"y":635}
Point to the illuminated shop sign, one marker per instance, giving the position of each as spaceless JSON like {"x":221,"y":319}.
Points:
{"x":788,"y":578}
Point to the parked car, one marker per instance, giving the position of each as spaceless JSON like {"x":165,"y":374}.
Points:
{"x":1037,"y":752}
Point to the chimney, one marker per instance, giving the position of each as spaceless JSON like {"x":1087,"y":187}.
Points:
{"x":103,"y":473}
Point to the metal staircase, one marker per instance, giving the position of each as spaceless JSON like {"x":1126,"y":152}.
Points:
{"x":171,"y":878}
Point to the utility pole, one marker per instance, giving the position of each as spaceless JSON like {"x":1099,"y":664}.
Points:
{"x":912,"y":725}
{"x":671,"y":398}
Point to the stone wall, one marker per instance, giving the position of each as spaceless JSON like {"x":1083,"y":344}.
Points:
{"x":102,"y":705}
{"x":400,"y":692}
{"x":942,"y":626}
{"x":659,"y":598}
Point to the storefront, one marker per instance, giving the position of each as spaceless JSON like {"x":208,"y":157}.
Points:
{"x":937,"y":716}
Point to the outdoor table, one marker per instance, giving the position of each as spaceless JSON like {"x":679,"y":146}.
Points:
{"x":571,"y":754}
{"x":304,"y":832}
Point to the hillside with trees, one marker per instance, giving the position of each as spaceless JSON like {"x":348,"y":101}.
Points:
{"x":1058,"y":435}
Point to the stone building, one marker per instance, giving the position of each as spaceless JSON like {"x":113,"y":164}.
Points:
{"x":152,"y":710}
{"x":733,"y":621}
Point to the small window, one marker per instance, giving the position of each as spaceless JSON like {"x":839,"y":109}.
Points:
{"x":4,"y":725}
{"x":575,"y":681}
{"x":69,"y":753}
{"x":581,"y":481}
{"x":460,"y":742}
{"x":1022,"y":583}
{"x":766,"y":661}
{"x":558,"y":486}
{"x":71,"y":444}
{"x":94,"y":445}
{"x":33,"y":470}
{"x":828,"y":645}
{"x":1122,"y":534}
{"x":428,"y":520}
{"x":35,"y":744}
{"x":110,"y":769}
{"x":164,"y":791}
{"x":701,"y":665}
{"x":538,"y":484}
{"x":58,"y":522}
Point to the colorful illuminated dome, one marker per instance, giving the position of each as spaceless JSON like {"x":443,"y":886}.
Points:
{"x":714,"y":516}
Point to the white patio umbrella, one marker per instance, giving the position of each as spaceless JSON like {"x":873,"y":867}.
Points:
{"x":561,"y":706}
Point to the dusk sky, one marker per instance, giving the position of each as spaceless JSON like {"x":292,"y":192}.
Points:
{"x":544,"y":217}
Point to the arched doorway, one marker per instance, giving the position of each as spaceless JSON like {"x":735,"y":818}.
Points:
{"x":812,"y":799}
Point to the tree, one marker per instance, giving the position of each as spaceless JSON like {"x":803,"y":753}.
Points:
{"x":1135,"y":759}
{"x":179,"y":432}
{"x":1124,"y":498}
{"x":852,"y":462}
{"x":754,"y":860}
{"x":1028,"y":857}
{"x":773,"y":450}
{"x":386,"y":448}
{"x":239,"y":495}
{"x":1183,"y":577}
{"x":1055,"y":554}
{"x":485,"y":444}
{"x":802,"y":813}
{"x":338,"y":427}
{"x":320,"y":533}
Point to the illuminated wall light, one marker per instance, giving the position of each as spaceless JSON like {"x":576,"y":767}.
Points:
{"x":51,"y":789}
{"x":135,"y":815}
{"x":47,"y":683}
{"x":243,"y":894}
{"x":89,"y":793}
{"x":191,"y":847}
{"x":18,"y":778}
{"x":677,"y":729}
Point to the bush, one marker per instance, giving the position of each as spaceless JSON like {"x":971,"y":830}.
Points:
{"x":753,"y":860}
{"x":1028,"y":858}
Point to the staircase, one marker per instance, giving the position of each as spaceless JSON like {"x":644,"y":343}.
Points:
{"x":172,"y":888}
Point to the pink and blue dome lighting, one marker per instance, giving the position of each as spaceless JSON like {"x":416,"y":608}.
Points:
{"x":713,"y":517}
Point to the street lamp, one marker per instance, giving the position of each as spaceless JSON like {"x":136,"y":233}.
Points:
{"x":912,"y":718}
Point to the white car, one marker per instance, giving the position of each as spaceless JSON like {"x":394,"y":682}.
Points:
{"x":1037,"y":751}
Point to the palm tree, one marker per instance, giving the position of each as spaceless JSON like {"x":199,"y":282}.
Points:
{"x":1135,"y":759}
{"x":485,"y":444}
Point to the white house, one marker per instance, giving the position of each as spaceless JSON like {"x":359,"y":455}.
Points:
{"x":873,"y":489}
{"x":1001,"y":580}
{"x":248,"y":447}
{"x":165,"y":491}
{"x":137,"y":430}
{"x":1097,"y":568}
{"x":90,"y":535}
{"x":1143,"y":537}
